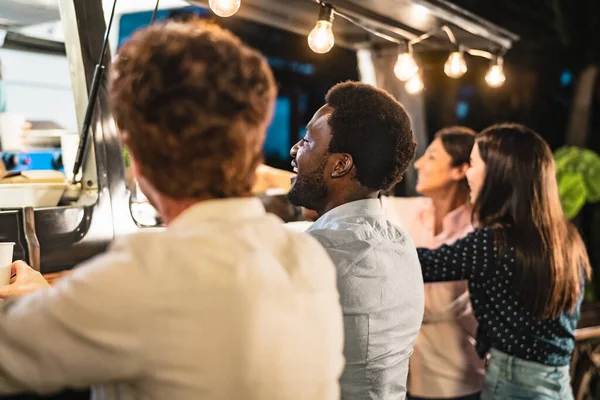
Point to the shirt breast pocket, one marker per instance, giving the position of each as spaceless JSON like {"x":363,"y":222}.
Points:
{"x":356,"y":338}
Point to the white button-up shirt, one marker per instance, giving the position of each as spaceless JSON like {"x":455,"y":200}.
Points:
{"x":225,"y":303}
{"x":381,"y":292}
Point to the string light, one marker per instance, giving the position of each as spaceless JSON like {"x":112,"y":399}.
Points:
{"x":321,"y":38}
{"x":224,"y":8}
{"x":405,"y":67}
{"x":414,"y":85}
{"x":495,"y":76}
{"x":456,"y":66}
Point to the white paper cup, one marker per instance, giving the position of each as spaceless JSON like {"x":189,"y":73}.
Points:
{"x":11,"y":125}
{"x":6,"y":257}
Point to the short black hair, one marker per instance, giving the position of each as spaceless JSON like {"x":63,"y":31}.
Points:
{"x":375,"y":129}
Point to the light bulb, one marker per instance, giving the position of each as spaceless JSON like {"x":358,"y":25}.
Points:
{"x":495,"y":76}
{"x":414,"y":85}
{"x":224,"y":8}
{"x":405,"y":67}
{"x":456,"y":65}
{"x":321,"y":38}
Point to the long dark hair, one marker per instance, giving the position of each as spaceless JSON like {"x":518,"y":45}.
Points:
{"x":519,"y":200}
{"x":458,"y":142}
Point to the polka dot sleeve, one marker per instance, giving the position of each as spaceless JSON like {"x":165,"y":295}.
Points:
{"x":459,"y":261}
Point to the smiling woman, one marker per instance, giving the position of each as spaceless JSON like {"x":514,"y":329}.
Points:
{"x":444,"y":364}
{"x":526,"y":266}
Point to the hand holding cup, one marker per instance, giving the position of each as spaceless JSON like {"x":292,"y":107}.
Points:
{"x":24,"y":280}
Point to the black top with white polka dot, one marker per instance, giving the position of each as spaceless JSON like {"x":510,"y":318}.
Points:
{"x":503,"y":324}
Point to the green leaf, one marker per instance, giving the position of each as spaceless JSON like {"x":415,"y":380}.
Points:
{"x":590,"y":168}
{"x":563,"y":152}
{"x":573,"y":160}
{"x":573,"y":194}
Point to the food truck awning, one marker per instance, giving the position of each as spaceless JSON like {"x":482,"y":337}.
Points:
{"x":379,"y":22}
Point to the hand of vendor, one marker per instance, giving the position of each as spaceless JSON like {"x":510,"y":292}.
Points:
{"x":24,"y":280}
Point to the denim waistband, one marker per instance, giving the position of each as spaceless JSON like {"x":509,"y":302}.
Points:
{"x":515,"y":364}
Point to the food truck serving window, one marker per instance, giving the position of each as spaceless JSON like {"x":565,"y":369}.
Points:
{"x":38,"y":126}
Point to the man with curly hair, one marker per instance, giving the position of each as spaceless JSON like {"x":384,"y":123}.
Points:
{"x":358,"y":144}
{"x":226,"y":303}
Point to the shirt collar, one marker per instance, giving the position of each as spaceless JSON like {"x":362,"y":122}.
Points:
{"x":359,"y":208}
{"x":234,"y":209}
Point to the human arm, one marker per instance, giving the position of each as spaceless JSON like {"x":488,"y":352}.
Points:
{"x":24,"y":280}
{"x":81,"y":332}
{"x":459,"y":261}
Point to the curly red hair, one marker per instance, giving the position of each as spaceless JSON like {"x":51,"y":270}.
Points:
{"x":193,"y":103}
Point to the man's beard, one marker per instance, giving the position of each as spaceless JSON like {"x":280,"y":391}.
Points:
{"x":309,"y":190}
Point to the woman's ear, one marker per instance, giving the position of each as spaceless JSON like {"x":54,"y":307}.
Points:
{"x":459,"y":173}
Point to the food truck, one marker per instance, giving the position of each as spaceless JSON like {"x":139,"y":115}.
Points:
{"x":63,"y":223}
{"x":60,"y":214}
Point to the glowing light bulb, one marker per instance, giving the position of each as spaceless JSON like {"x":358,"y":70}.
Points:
{"x":321,"y":38}
{"x":414,"y":85}
{"x":405,"y":67}
{"x":495,"y":76}
{"x":224,"y":8}
{"x":456,"y":65}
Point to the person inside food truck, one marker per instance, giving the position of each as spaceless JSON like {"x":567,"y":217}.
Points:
{"x":226,"y":303}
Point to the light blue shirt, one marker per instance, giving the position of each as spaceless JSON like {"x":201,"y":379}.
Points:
{"x":381,"y":292}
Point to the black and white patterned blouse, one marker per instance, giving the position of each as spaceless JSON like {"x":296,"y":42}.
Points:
{"x":503,"y":324}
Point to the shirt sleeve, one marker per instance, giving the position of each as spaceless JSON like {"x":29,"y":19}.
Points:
{"x":85,"y":330}
{"x":459,"y":261}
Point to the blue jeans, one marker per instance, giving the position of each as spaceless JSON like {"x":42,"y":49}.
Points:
{"x":512,"y":378}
